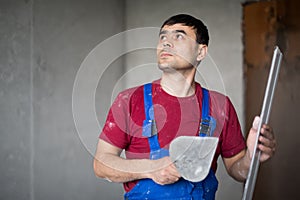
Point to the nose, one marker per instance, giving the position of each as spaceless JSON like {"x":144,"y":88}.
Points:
{"x":167,"y":44}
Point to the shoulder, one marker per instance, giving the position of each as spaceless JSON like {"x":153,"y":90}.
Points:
{"x":223,"y":103}
{"x":219,"y":99}
{"x":220,"y":103}
{"x":215,"y":96}
{"x":127,"y":94}
{"x":131,"y":95}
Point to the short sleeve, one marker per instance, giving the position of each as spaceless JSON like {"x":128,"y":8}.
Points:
{"x":115,"y":127}
{"x":233,"y":140}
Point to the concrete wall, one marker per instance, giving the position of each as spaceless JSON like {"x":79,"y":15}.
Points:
{"x":44,"y":46}
{"x":15,"y":101}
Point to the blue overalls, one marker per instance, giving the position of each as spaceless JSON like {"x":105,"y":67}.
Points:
{"x":182,"y":189}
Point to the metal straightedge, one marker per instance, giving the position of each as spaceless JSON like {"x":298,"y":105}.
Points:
{"x":264,"y":118}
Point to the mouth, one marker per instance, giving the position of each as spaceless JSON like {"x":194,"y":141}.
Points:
{"x":165,"y":54}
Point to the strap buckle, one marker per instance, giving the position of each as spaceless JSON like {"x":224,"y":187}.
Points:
{"x":207,"y":126}
{"x":204,"y":127}
{"x":149,"y":128}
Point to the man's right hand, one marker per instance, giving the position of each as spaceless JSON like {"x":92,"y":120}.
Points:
{"x":164,"y":171}
{"x":109,"y":165}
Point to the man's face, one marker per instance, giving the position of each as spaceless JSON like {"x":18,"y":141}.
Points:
{"x":177,"y":48}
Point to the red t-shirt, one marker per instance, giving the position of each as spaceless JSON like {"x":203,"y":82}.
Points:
{"x":174,"y":116}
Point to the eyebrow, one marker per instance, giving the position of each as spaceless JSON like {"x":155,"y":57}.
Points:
{"x":175,"y":31}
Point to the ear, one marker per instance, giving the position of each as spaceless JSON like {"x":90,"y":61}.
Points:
{"x":202,"y":51}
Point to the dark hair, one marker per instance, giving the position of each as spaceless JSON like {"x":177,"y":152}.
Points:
{"x":187,"y":20}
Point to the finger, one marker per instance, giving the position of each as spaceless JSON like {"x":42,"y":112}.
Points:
{"x":173,"y":180}
{"x":267,"y":131}
{"x":169,"y":172}
{"x":174,"y":172}
{"x":168,"y":180}
{"x":267,"y":142}
{"x":266,"y":126}
{"x":173,"y":169}
{"x":266,"y":150}
{"x":169,"y":175}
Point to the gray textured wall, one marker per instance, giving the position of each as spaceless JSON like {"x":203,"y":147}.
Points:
{"x":15,"y":106}
{"x":43,"y":44}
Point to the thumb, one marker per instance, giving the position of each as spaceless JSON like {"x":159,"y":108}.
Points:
{"x":252,"y":136}
{"x":255,"y":123}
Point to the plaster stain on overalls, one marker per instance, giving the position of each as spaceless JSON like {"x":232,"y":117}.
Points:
{"x":182,"y":189}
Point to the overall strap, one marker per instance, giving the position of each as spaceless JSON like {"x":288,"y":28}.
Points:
{"x":149,"y":125}
{"x":208,"y":123}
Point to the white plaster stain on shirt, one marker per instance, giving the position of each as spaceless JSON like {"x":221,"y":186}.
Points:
{"x":111,"y":125}
{"x":125,"y":96}
{"x":119,"y":104}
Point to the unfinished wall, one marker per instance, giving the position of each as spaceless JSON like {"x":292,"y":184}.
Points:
{"x":265,"y":25}
{"x":42,"y":45}
{"x":15,"y":98}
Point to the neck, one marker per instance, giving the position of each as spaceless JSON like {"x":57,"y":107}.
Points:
{"x":179,"y":84}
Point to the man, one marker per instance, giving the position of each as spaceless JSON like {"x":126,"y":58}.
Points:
{"x":175,"y":103}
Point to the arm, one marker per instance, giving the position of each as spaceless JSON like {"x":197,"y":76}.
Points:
{"x":109,"y":165}
{"x":238,"y":165}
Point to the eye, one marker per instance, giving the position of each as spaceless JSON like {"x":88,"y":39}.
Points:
{"x":179,"y":36}
{"x":162,"y":37}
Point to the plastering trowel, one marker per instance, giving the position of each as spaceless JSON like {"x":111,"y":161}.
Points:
{"x":193,"y":155}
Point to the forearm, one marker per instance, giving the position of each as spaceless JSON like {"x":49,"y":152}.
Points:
{"x":109,"y":165}
{"x":117,"y":169}
{"x":240,"y":168}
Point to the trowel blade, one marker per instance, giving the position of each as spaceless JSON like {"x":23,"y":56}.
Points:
{"x":193,"y":155}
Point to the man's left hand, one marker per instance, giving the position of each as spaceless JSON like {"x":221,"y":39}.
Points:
{"x":267,"y":142}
